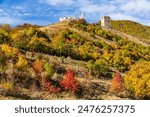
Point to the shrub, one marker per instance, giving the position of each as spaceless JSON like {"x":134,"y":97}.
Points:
{"x":7,"y":85}
{"x":3,"y":60}
{"x":22,"y":62}
{"x":4,"y":36}
{"x":82,"y":21}
{"x":39,"y":44}
{"x":116,"y":84}
{"x":102,"y":67}
{"x":50,"y":88}
{"x":37,"y":66}
{"x":31,"y":32}
{"x":137,"y":80}
{"x":9,"y":51}
{"x":69,"y":82}
{"x":49,"y":69}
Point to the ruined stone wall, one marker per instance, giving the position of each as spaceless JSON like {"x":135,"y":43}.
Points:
{"x":106,"y":21}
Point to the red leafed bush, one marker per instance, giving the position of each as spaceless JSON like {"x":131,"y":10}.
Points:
{"x":117,"y":84}
{"x":50,"y":88}
{"x":69,"y":82}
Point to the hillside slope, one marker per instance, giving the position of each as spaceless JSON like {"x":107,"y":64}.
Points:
{"x":60,"y":26}
{"x":133,"y":31}
{"x":129,"y":37}
{"x":120,"y":47}
{"x":132,"y":28}
{"x":65,"y":58}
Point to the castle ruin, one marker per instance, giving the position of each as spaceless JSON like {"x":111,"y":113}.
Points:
{"x":71,"y":18}
{"x":67,"y":18}
{"x":106,"y":21}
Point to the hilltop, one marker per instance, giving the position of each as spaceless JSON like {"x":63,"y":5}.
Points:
{"x":74,"y":58}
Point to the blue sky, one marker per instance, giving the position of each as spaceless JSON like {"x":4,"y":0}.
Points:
{"x":44,"y":12}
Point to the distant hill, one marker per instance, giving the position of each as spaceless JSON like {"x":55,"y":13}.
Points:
{"x":26,"y":26}
{"x":132,"y":28}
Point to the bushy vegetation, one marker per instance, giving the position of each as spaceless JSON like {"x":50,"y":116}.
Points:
{"x":102,"y":58}
{"x":81,"y":24}
{"x":137,"y":80}
{"x":132,"y":28}
{"x":99,"y":67}
{"x":69,"y":82}
{"x":117,"y":85}
{"x":120,"y":54}
{"x":18,"y":72}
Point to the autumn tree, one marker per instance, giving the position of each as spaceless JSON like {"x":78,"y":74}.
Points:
{"x":48,"y":69}
{"x":58,"y":44}
{"x":4,"y":36}
{"x":85,"y":51}
{"x":31,"y":32}
{"x":6,"y":27}
{"x":39,"y":44}
{"x":102,"y":67}
{"x":22,"y":63}
{"x":137,"y":79}
{"x":19,"y":39}
{"x":9,"y":51}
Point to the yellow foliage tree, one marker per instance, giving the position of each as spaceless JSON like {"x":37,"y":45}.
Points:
{"x":137,"y":79}
{"x":22,"y":62}
{"x":85,"y":50}
{"x":9,"y":51}
{"x":16,"y":36}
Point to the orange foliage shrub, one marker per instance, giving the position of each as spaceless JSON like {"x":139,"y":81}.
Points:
{"x":117,"y":84}
{"x":37,"y":66}
{"x":69,"y":82}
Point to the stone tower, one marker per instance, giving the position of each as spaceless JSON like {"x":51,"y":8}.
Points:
{"x":82,"y":16}
{"x":106,"y":22}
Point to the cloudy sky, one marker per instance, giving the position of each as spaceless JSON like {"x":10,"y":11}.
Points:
{"x":44,"y":12}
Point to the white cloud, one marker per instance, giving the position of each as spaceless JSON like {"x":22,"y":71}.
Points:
{"x":119,"y":16}
{"x":57,"y":2}
{"x":3,"y":13}
{"x":18,"y":7}
{"x":100,"y":9}
{"x":136,"y":10}
{"x":16,"y":21}
{"x":1,"y":10}
{"x":136,"y":6}
{"x":17,"y":12}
